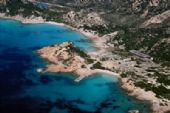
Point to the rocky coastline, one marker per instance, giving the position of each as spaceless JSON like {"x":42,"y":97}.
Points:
{"x":100,"y":42}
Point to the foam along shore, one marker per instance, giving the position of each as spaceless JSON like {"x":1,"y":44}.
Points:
{"x":67,"y":58}
{"x":83,"y":73}
{"x":99,"y":42}
{"x":158,"y":105}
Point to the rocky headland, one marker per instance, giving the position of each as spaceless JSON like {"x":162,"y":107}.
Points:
{"x":66,"y":57}
{"x":115,"y":27}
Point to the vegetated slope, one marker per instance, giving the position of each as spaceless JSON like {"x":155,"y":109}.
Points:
{"x":142,"y":24}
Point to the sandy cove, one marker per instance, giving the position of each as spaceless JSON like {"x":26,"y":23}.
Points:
{"x":67,"y":58}
{"x":100,"y":43}
{"x":141,"y":94}
{"x":63,"y":60}
{"x":36,"y":20}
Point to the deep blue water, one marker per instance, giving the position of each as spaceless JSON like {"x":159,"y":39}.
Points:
{"x":23,"y":90}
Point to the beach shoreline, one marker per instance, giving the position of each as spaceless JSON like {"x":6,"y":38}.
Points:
{"x":30,"y":20}
{"x":127,"y":85}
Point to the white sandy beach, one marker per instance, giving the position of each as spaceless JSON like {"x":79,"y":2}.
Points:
{"x":132,"y":90}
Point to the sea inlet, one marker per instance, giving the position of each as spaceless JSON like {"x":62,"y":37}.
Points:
{"x":24,"y":90}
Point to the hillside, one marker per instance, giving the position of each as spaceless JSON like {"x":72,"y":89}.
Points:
{"x":141,"y":24}
{"x":133,"y":37}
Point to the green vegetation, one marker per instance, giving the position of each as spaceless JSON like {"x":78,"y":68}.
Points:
{"x":160,"y":91}
{"x":144,"y":85}
{"x":139,"y":61}
{"x":67,"y":62}
{"x":89,"y":60}
{"x":100,"y":29}
{"x":2,"y":8}
{"x":124,"y":75}
{"x":162,"y":52}
{"x":141,"y":38}
{"x":165,"y":64}
{"x":130,"y":36}
{"x":162,"y":78}
{"x":52,"y":16}
{"x":79,"y":51}
{"x":97,"y":65}
{"x":16,"y":7}
{"x":81,"y":54}
{"x":104,"y":59}
{"x":129,"y":73}
{"x":146,"y":39}
{"x":83,"y":66}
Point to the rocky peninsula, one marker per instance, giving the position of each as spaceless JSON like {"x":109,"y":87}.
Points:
{"x":66,"y":57}
{"x":144,"y":78}
{"x":127,"y":68}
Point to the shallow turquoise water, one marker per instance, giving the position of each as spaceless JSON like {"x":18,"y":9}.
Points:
{"x":23,"y":90}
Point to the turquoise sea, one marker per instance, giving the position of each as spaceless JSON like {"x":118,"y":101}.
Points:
{"x":23,"y":90}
